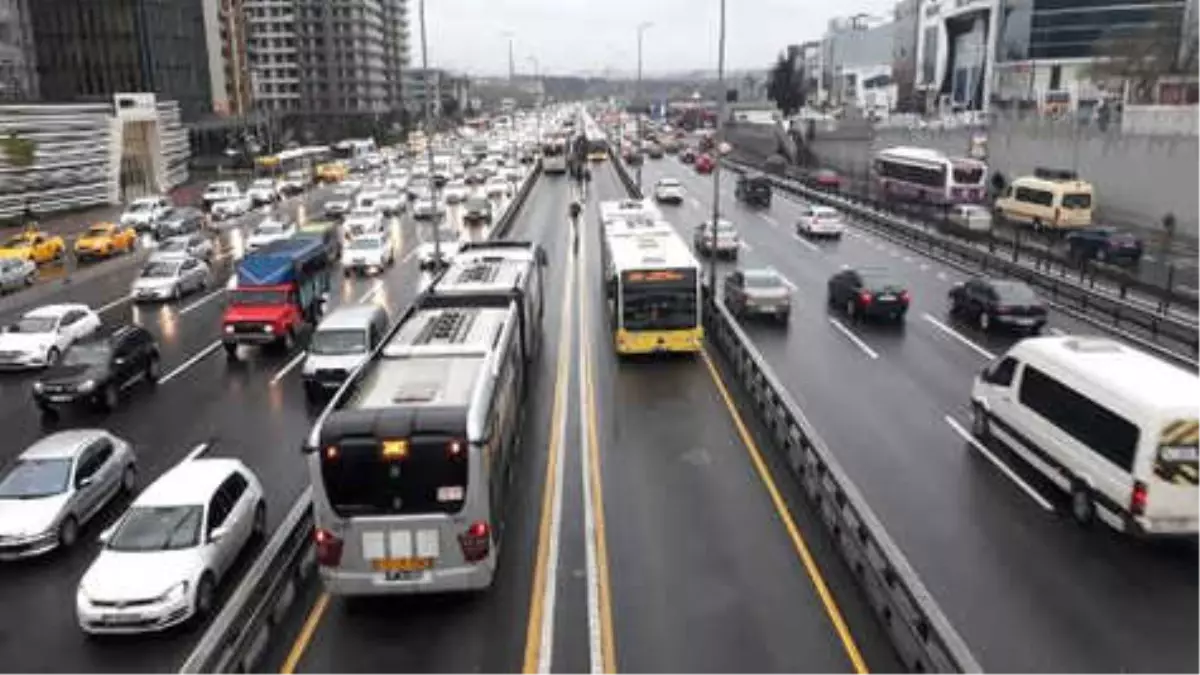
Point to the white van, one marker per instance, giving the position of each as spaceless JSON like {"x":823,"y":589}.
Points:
{"x":1114,"y":427}
{"x":1047,"y":201}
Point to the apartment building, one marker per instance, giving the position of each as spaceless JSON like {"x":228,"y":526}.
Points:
{"x":18,"y":71}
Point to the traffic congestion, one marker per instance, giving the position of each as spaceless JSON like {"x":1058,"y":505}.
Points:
{"x":133,"y":493}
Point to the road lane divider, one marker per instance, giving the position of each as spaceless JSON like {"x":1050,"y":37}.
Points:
{"x":289,"y":366}
{"x":1005,"y":469}
{"x":841,"y":327}
{"x":113,"y":304}
{"x":806,"y":243}
{"x":239,"y":636}
{"x":963,"y":339}
{"x":922,"y":636}
{"x":196,"y":358}
{"x":197,"y":304}
{"x":539,"y":631}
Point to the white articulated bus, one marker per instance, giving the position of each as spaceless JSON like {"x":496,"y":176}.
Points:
{"x":410,"y":462}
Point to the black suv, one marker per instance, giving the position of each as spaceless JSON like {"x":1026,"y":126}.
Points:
{"x":96,"y":370}
{"x":753,"y":188}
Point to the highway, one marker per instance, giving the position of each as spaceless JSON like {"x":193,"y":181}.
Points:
{"x":253,"y":409}
{"x":1025,"y":587}
{"x":633,"y":542}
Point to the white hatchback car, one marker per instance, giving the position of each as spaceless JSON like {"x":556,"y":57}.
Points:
{"x":163,"y":559}
{"x":41,"y":336}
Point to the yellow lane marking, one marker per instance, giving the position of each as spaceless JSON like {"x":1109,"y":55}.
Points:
{"x":537,"y":609}
{"x":306,"y":634}
{"x":810,"y":565}
{"x":607,"y":642}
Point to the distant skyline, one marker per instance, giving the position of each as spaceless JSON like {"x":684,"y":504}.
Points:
{"x":591,"y":37}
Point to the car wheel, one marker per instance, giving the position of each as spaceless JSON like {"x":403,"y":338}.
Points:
{"x":68,"y":532}
{"x":231,"y":352}
{"x":52,"y":356}
{"x":1101,"y":255}
{"x":259,"y":531}
{"x":31,"y":278}
{"x":205,"y":596}
{"x":951,"y":307}
{"x":1083,"y":509}
{"x":851,"y":309}
{"x":129,"y":479}
{"x":985,"y":321}
{"x":176,"y":293}
{"x":979,"y":423}
{"x":153,"y":370}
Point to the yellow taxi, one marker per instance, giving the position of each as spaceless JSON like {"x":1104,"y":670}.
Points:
{"x":331,"y":172}
{"x":103,"y":240}
{"x":34,"y":246}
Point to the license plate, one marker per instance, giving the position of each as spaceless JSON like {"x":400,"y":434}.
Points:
{"x":419,"y":575}
{"x":767,"y":308}
{"x":115,"y":619}
{"x":1024,"y":322}
{"x":886,"y":298}
{"x":61,"y":398}
{"x":401,"y":565}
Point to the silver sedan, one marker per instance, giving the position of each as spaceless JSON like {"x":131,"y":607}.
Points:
{"x":57,"y":485}
{"x":16,"y":274}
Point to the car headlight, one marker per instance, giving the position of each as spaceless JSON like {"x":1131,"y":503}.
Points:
{"x":87,"y":385}
{"x":229,"y":328}
{"x":268,"y":328}
{"x":38,"y":387}
{"x":176,"y":593}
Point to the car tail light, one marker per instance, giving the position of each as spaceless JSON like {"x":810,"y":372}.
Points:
{"x":864,"y":298}
{"x":329,"y":548}
{"x":476,"y":541}
{"x":1003,"y":309}
{"x":1138,"y":498}
{"x":905,"y":297}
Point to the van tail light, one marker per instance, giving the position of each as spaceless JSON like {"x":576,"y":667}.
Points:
{"x":864,"y":298}
{"x":476,"y":542}
{"x":905,"y":297}
{"x":329,"y":548}
{"x":1138,"y":498}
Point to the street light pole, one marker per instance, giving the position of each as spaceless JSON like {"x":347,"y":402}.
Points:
{"x":537,"y":78}
{"x":637,"y":102}
{"x":429,"y":130}
{"x":718,"y":140}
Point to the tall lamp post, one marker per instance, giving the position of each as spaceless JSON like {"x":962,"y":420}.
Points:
{"x":718,"y":140}
{"x":429,"y":131}
{"x":537,"y":78}
{"x":641,"y":29}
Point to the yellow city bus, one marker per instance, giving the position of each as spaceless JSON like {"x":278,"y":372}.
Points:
{"x":652,"y":287}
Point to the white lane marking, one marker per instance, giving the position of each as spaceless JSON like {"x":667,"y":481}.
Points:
{"x":595,"y":639}
{"x":767,"y":217}
{"x":1004,"y":468}
{"x":370,"y":292}
{"x":746,"y":246}
{"x":894,"y":253}
{"x":216,"y":344}
{"x":290,"y":365}
{"x":853,"y":338}
{"x":1057,"y":331}
{"x":787,"y":282}
{"x":924,"y":267}
{"x":199,"y":303}
{"x":807,"y":244}
{"x":695,"y":203}
{"x":959,"y":336}
{"x":908,"y":258}
{"x":115,"y":303}
{"x":195,"y":452}
{"x":942,"y":276}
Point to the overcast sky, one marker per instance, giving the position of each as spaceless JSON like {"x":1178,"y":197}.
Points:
{"x":569,"y":36}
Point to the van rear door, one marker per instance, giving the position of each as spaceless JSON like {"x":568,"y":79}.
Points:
{"x":1171,"y":484}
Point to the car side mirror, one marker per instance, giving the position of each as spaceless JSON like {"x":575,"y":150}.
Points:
{"x":107,"y":535}
{"x":218,"y":534}
{"x":542,"y":257}
{"x":84,"y":482}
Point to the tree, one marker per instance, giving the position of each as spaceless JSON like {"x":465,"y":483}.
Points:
{"x":449,"y":107}
{"x":785,"y":85}
{"x":18,"y":151}
{"x":1144,"y":57}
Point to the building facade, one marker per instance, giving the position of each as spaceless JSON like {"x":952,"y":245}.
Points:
{"x":956,"y":44}
{"x":89,"y":154}
{"x":90,"y":50}
{"x":906,"y":24}
{"x":228,"y":58}
{"x":18,"y":59}
{"x":857,"y":64}
{"x":330,"y":67}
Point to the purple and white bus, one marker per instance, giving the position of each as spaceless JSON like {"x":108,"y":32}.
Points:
{"x":924,"y":175}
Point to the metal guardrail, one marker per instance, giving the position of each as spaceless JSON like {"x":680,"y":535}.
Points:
{"x":1078,"y":297}
{"x":237,"y":638}
{"x":919,"y":631}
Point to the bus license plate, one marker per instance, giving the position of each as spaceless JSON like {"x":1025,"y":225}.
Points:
{"x":401,"y":565}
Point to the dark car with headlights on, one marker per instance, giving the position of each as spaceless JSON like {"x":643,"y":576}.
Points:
{"x":95,"y":371}
{"x":758,"y":292}
{"x":998,"y":303}
{"x":869,"y":292}
{"x":754,"y":189}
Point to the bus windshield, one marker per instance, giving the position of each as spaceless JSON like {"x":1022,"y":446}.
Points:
{"x":660,"y":300}
{"x":361,"y":480}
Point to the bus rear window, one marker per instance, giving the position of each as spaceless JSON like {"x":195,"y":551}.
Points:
{"x":1076,"y":200}
{"x":964,"y":175}
{"x":362,"y":477}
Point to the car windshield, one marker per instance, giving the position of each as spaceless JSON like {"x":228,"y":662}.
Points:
{"x":173,"y":246}
{"x":7,"y":264}
{"x":35,"y":324}
{"x":477,"y":203}
{"x":138,"y":207}
{"x":337,"y":342}
{"x":365,"y":243}
{"x":158,"y":528}
{"x":161,"y":270}
{"x":87,"y":354}
{"x":668,"y":183}
{"x":19,"y":241}
{"x":34,"y":478}
{"x":269,"y":228}
{"x":263,"y":184}
{"x":258,"y":297}
{"x":762,"y":279}
{"x":879,"y":279}
{"x":1015,"y":293}
{"x":98,"y":231}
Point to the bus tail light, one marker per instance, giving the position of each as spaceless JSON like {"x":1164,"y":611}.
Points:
{"x":329,"y":548}
{"x":476,"y":541}
{"x":455,"y":448}
{"x":1138,"y":498}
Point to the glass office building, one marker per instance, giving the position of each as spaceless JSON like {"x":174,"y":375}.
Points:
{"x":89,"y":50}
{"x":1073,"y":29}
